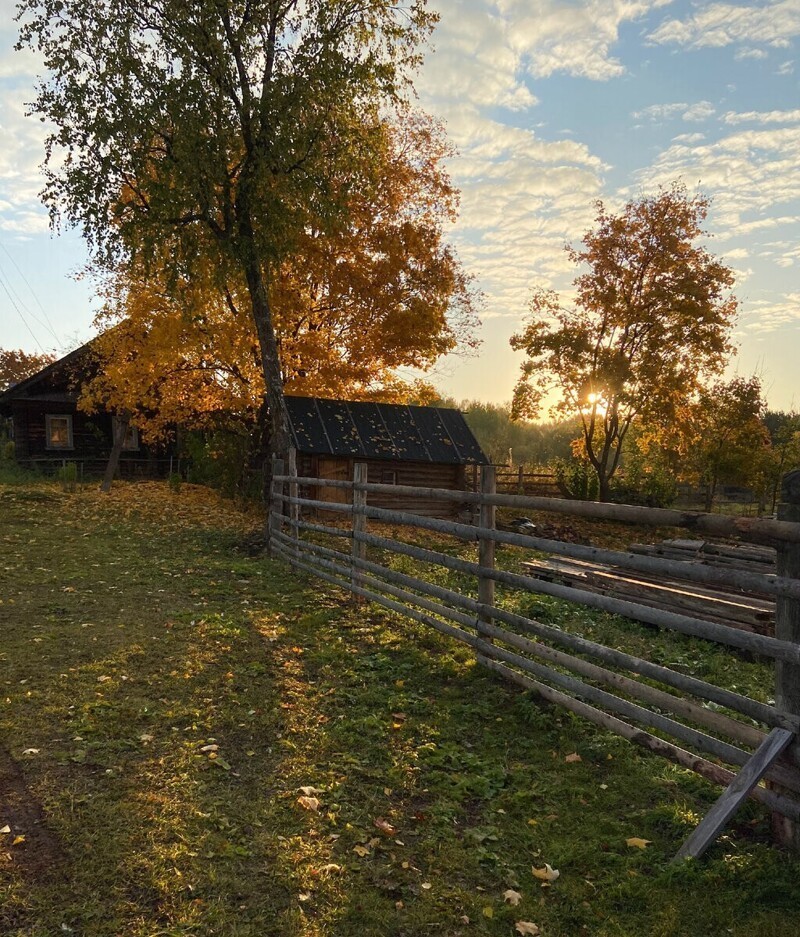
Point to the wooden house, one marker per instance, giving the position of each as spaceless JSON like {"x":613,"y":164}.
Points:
{"x":429,"y":447}
{"x":49,"y":430}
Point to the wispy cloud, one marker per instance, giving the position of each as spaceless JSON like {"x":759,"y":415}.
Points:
{"x":722,"y":24}
{"x":697,"y":112}
{"x":762,"y":117}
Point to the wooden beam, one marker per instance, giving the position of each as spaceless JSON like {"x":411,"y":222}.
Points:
{"x":734,"y":795}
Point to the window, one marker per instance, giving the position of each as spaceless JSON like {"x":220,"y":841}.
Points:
{"x":131,"y":442}
{"x":58,"y":429}
{"x":388,"y":477}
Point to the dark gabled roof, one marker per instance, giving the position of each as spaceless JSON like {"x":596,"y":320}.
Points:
{"x":382,"y":431}
{"x":54,"y":379}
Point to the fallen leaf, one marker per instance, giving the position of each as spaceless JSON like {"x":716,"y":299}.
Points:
{"x":426,"y":885}
{"x":384,"y":826}
{"x":547,"y":874}
{"x":5,"y":829}
{"x":488,"y":911}
{"x":526,"y":927}
{"x":361,"y":851}
{"x":310,"y":791}
{"x":636,"y":843}
{"x":331,"y":867}
{"x":30,"y":751}
{"x":308,"y":803}
{"x":571,"y":759}
{"x":512,"y":897}
{"x":464,"y":919}
{"x":304,"y":896}
{"x":210,"y":748}
{"x":18,"y":840}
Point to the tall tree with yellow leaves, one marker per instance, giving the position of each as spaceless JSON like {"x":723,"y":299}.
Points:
{"x":385,"y":291}
{"x":217,"y":132}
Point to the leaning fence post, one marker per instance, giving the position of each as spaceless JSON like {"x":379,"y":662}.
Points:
{"x":275,"y":503}
{"x":787,"y":628}
{"x":487,"y":520}
{"x":359,"y":552}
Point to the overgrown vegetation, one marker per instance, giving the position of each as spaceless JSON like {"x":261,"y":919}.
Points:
{"x":168,"y":694}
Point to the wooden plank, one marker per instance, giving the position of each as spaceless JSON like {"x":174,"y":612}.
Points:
{"x":735,"y":794}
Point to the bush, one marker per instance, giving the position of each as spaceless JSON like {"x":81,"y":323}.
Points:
{"x":67,"y":476}
{"x":222,"y":459}
{"x":174,"y":481}
{"x":576,"y":479}
{"x":7,"y":451}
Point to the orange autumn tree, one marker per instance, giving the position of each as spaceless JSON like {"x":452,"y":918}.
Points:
{"x":649,"y":325}
{"x":16,"y":365}
{"x":385,"y":292}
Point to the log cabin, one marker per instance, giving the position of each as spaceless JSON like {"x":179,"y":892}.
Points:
{"x":49,"y":430}
{"x":428,"y":447}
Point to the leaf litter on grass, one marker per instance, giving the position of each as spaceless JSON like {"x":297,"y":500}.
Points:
{"x":297,"y":685}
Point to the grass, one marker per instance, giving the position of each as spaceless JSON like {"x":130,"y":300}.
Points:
{"x":166,"y":694}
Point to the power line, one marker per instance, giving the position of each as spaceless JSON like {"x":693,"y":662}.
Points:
{"x":33,"y":293}
{"x":22,"y":317}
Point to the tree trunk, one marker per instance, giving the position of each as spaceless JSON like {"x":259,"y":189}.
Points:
{"x":270,"y":361}
{"x":121,"y":424}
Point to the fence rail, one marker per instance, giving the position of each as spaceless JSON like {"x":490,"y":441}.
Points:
{"x":648,"y":703}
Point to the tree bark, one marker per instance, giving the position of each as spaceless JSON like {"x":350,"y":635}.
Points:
{"x":121,"y":424}
{"x":270,"y":358}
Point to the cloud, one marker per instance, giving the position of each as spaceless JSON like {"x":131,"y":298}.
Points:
{"x":576,"y":38}
{"x":698,"y":112}
{"x":741,"y":54}
{"x":749,"y":171}
{"x":21,"y":152}
{"x":762,"y":117}
{"x":767,"y":314}
{"x":722,"y":24}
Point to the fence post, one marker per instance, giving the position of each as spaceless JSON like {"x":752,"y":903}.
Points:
{"x":487,"y":519}
{"x":294,"y":508}
{"x":359,"y":525}
{"x":787,"y":628}
{"x":275,"y":503}
{"x":521,"y":479}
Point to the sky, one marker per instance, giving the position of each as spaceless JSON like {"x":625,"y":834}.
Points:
{"x":551,"y":105}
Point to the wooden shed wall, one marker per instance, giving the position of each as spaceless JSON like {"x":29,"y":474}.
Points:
{"x":385,"y":471}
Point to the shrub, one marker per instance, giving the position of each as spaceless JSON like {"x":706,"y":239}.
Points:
{"x":576,"y":479}
{"x":67,"y":476}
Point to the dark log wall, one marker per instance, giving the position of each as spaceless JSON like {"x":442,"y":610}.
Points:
{"x":91,"y":434}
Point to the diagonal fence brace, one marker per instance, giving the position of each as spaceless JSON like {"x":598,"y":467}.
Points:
{"x":735,"y":794}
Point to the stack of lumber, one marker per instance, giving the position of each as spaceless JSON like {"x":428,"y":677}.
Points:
{"x":751,"y":557}
{"x":721,"y":604}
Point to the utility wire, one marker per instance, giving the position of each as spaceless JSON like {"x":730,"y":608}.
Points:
{"x":33,"y":293}
{"x":21,"y":307}
{"x":22,"y":317}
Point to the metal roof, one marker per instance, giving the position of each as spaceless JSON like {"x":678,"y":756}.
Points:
{"x":390,"y":431}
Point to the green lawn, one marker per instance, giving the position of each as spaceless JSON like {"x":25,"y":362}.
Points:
{"x":167,"y":694}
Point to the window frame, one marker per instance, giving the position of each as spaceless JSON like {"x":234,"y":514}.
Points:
{"x":48,"y":432}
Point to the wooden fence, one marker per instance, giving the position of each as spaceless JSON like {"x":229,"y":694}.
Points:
{"x":746,"y":745}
